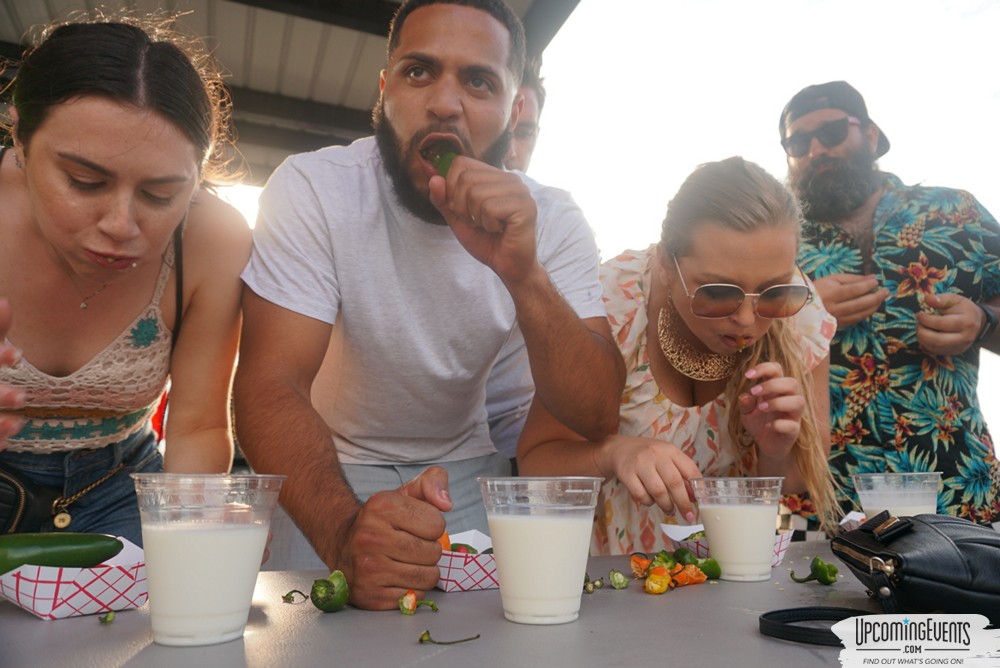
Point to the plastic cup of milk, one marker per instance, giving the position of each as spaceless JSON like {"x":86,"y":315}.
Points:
{"x":541,"y":528}
{"x":900,"y":493}
{"x":203,"y":537}
{"x":740,"y":516}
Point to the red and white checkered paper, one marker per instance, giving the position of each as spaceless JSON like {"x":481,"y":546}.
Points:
{"x":676,"y":533}
{"x":54,"y":593}
{"x":467,"y":572}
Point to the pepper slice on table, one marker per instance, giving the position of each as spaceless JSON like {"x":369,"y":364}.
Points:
{"x":639,"y":563}
{"x":408,"y":603}
{"x":688,"y":574}
{"x":820,"y":571}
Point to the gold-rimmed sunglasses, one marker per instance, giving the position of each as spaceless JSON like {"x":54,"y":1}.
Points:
{"x":721,"y":300}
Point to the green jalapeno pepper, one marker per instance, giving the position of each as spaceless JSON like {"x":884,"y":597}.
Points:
{"x":710,"y":567}
{"x":820,"y":571}
{"x":329,"y":594}
{"x":442,"y":161}
{"x":684,"y":556}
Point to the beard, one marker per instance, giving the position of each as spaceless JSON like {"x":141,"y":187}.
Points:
{"x":838,"y":190}
{"x":396,"y":156}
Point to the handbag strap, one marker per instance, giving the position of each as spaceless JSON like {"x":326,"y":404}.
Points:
{"x":784,"y":624}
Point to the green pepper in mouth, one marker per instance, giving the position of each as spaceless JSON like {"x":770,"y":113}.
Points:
{"x":442,"y":162}
{"x":440,"y":154}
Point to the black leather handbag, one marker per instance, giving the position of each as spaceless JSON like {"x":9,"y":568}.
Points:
{"x":25,"y":507}
{"x":926,"y":563}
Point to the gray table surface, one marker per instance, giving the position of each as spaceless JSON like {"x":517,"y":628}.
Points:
{"x":711,"y":624}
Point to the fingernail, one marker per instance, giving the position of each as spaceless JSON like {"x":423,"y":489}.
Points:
{"x":756,"y":389}
{"x":762,"y":406}
{"x":752,"y":373}
{"x":689,"y":517}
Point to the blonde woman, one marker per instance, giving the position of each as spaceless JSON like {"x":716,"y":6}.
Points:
{"x":726,"y":349}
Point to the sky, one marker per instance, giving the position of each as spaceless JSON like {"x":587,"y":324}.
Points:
{"x":639,"y":92}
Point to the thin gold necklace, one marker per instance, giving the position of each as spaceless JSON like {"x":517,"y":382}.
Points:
{"x":85,"y":299}
{"x":687,"y":359}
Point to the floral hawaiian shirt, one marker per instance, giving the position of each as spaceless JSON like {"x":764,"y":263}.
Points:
{"x":894,"y":407}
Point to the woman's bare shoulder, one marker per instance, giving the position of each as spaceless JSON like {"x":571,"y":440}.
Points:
{"x":216,"y":230}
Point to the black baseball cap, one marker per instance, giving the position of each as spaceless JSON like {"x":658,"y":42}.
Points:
{"x":830,"y":95}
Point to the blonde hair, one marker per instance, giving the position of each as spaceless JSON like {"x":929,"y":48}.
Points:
{"x":739,"y":195}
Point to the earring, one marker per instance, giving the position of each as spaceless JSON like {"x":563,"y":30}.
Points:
{"x":17,"y":161}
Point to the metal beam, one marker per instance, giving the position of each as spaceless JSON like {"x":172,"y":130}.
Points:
{"x":369,"y":16}
{"x":305,"y":114}
{"x":543,"y":21}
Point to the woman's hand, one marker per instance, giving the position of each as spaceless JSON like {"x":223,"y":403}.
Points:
{"x":10,"y":398}
{"x":771,"y":412}
{"x":653,"y":471}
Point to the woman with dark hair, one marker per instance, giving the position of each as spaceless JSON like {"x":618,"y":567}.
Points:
{"x":119,"y":271}
{"x":725,"y":347}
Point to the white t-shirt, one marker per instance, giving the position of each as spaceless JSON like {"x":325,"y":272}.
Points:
{"x":418,"y":322}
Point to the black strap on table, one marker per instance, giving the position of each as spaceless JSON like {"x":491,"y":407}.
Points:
{"x":783,"y":624}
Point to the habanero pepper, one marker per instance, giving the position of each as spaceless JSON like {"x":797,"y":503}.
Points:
{"x":639,"y":564}
{"x":408,"y":603}
{"x":688,"y":574}
{"x":658,"y":580}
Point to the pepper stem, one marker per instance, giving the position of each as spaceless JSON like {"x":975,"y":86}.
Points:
{"x":426,"y":638}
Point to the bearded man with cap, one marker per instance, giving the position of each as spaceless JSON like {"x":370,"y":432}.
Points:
{"x":912,"y":275}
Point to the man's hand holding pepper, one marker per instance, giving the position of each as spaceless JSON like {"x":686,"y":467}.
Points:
{"x":952,"y":327}
{"x":392,"y":544}
{"x":850,"y":298}
{"x":492,"y":214}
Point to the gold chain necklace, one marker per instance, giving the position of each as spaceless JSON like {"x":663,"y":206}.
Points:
{"x":84,"y":300}
{"x":687,"y":359}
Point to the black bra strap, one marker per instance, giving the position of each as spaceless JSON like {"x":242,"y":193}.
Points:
{"x":179,"y":267}
{"x":783,"y":624}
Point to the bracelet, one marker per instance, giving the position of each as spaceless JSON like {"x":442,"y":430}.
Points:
{"x":989,"y":323}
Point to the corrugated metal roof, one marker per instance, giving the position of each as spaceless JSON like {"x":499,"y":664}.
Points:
{"x":303,"y":73}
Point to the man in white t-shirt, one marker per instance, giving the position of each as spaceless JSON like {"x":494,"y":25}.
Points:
{"x":380,"y":294}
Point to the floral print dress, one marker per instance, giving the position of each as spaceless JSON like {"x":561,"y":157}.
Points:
{"x":621,"y":525}
{"x":894,"y":407}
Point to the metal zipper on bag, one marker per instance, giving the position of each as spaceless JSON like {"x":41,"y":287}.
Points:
{"x":22,"y":496}
{"x":886,"y":566}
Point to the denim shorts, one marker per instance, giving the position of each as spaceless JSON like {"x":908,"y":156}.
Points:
{"x":109,"y":508}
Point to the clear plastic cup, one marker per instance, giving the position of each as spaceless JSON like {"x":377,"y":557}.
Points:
{"x":203,"y":538}
{"x":740,"y":516}
{"x":541,"y":530}
{"x":901,"y":494}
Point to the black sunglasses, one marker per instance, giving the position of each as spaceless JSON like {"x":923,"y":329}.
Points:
{"x":829,"y":135}
{"x":721,"y":300}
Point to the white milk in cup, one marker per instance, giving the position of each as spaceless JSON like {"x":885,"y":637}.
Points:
{"x":541,"y":528}
{"x":203,"y":537}
{"x":901,"y":494}
{"x":740,"y":516}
